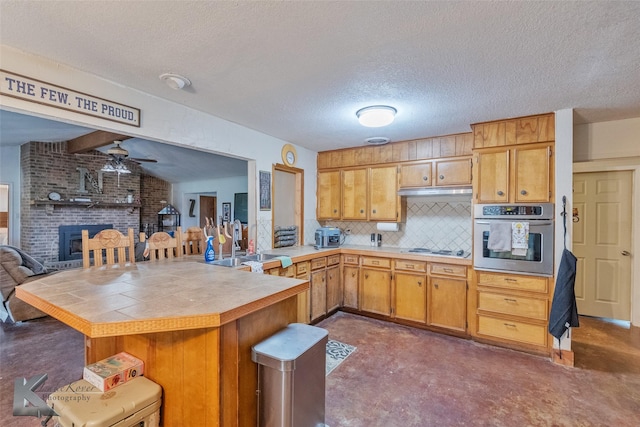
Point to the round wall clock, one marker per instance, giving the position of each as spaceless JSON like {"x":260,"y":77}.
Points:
{"x":289,"y":155}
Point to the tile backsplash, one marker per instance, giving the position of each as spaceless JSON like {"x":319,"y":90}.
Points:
{"x":442,"y":224}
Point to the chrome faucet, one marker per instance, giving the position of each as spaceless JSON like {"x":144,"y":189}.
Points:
{"x":237,"y":235}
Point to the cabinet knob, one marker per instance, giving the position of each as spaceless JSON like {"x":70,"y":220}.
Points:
{"x":335,"y":210}
{"x":425,"y":178}
{"x":361,"y":210}
{"x":435,"y":285}
{"x":441,"y":177}
{"x":353,"y":274}
{"x":500,"y":193}
{"x":523,"y":192}
{"x":366,"y":276}
{"x":374,"y":211}
{"x":420,"y":283}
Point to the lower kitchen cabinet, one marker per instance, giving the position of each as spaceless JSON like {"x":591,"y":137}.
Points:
{"x":334,"y":292}
{"x":513,"y":310}
{"x":304,"y":298}
{"x":410,"y":279}
{"x":318,"y":284}
{"x":375,"y":295}
{"x":447,"y":297}
{"x":411,"y":297}
{"x":350,"y":281}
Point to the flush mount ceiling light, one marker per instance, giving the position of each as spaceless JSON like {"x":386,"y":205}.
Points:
{"x":175,"y":81}
{"x":376,"y":116}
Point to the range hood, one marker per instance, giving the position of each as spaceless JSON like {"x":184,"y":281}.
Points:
{"x":436,"y":191}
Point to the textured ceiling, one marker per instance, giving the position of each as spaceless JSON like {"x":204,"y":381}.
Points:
{"x":299,"y":70}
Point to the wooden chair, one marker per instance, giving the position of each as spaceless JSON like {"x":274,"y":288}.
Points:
{"x":108,"y":247}
{"x":161,"y":245}
{"x":193,"y":241}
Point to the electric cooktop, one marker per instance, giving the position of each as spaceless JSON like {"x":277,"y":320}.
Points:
{"x":459,"y":253}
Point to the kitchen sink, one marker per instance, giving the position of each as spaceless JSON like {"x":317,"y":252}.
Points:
{"x":228,"y":262}
{"x":258,"y":257}
{"x":237,"y":261}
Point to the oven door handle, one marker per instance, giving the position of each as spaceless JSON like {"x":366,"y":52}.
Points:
{"x":531,"y":222}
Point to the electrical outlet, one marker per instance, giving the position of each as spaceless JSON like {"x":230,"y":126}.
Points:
{"x":347,"y":231}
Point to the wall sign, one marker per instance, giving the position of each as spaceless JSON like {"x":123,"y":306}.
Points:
{"x":21,"y":87}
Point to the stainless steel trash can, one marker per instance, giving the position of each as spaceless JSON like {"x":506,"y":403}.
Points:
{"x":291,"y":377}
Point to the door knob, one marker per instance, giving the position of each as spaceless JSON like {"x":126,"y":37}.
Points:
{"x":625,"y":253}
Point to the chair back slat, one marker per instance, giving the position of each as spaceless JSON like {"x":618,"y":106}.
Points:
{"x":102,"y":248}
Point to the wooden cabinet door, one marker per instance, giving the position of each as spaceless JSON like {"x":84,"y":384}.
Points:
{"x":376,"y":291}
{"x":328,"y":204}
{"x":334,"y":292}
{"x":453,"y":172}
{"x":416,"y":175}
{"x":532,"y":174}
{"x":411,"y":297}
{"x":492,"y":174}
{"x":354,"y":194}
{"x":383,"y":194}
{"x":318,"y":286}
{"x":447,"y":303}
{"x":350,"y":286}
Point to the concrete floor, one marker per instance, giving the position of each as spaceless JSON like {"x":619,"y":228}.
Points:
{"x":400,"y":376}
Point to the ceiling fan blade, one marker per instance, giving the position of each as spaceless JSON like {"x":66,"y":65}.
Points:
{"x":142,"y":160}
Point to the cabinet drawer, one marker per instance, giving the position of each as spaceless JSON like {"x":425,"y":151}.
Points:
{"x":376,"y":262}
{"x":533,"y":308}
{"x":512,"y":330}
{"x":351,"y":259}
{"x":302,"y":267}
{"x":408,"y":265}
{"x":448,"y":270}
{"x":509,"y":281}
{"x":318,"y":263}
{"x":333,"y":260}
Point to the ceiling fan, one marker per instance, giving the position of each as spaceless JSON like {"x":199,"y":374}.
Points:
{"x":120,"y":153}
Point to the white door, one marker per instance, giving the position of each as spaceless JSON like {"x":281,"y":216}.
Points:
{"x":602,"y":243}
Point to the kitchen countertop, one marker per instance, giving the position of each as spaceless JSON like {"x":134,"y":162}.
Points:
{"x":307,"y":252}
{"x":155,"y":296}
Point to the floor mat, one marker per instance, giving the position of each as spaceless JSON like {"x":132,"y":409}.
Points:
{"x":337,"y":352}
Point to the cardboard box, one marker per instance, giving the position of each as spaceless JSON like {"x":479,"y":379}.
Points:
{"x":113,"y":371}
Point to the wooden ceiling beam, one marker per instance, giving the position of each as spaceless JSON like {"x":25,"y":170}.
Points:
{"x":93,"y":140}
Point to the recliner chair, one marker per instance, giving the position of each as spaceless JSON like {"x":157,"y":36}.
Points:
{"x":16,"y":268}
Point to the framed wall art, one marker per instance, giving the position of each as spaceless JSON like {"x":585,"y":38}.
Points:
{"x":265,"y":191}
{"x":226,"y":212}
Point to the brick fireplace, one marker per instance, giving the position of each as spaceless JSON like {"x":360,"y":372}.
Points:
{"x":47,"y":168}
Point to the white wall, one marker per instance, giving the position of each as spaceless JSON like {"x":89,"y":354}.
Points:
{"x":223,"y":188}
{"x":607,"y":140}
{"x":10,"y":175}
{"x":161,"y":120}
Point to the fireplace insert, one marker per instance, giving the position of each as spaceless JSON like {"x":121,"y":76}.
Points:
{"x":70,"y":239}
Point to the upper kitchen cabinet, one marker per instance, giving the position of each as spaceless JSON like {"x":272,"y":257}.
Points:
{"x":329,"y":195}
{"x":354,"y":194}
{"x":514,"y":160}
{"x":441,"y":172}
{"x":523,"y":130}
{"x":384,"y":202}
{"x":363,"y":194}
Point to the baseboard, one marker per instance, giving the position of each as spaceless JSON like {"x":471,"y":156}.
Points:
{"x":565,"y":358}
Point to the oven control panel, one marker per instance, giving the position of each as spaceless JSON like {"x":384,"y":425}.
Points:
{"x":532,"y":211}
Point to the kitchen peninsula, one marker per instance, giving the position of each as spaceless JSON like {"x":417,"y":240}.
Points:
{"x":192,"y":324}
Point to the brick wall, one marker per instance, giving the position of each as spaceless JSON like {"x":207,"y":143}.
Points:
{"x":46,"y":168}
{"x":156,"y":191}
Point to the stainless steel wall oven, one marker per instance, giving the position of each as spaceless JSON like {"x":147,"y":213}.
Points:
{"x":533,"y":256}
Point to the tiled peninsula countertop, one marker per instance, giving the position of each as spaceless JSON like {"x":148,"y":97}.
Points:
{"x":303,"y":253}
{"x":155,"y":296}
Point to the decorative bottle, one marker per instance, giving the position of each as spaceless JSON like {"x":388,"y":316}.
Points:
{"x":209,"y":253}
